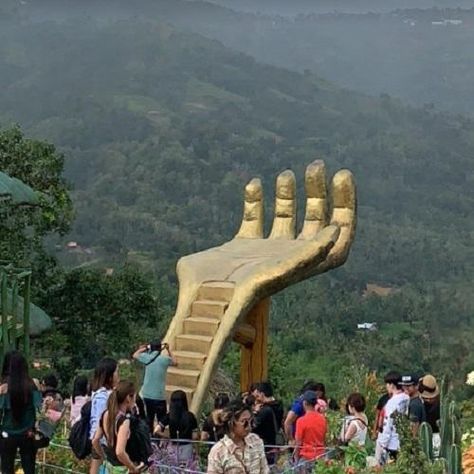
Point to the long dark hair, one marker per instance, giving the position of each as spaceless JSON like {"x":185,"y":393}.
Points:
{"x":221,"y":401}
{"x":80,"y":387}
{"x":6,"y":366}
{"x":20,"y":384}
{"x":117,"y":397}
{"x":178,"y":408}
{"x":104,"y":373}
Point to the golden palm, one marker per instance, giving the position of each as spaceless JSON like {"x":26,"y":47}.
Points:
{"x":219,"y":286}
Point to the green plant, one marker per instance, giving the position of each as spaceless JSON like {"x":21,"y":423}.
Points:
{"x":355,"y":456}
{"x":454,"y":460}
{"x":334,"y":419}
{"x":328,"y":467}
{"x":440,"y":466}
{"x":59,"y":454}
{"x":426,"y":440}
{"x":411,"y":453}
{"x":467,"y":438}
{"x":449,"y":426}
{"x":450,"y":460}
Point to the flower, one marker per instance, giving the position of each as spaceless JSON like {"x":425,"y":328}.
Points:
{"x":470,"y":378}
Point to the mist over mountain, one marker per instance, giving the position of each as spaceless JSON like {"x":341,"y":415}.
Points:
{"x":422,"y":55}
{"x":295,"y":7}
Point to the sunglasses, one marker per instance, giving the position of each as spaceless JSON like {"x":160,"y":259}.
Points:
{"x":246,"y":423}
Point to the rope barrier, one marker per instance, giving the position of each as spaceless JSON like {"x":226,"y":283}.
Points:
{"x":291,"y":466}
{"x":59,"y":468}
{"x":163,"y":468}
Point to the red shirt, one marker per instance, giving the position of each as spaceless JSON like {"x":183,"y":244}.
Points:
{"x":311,"y":435}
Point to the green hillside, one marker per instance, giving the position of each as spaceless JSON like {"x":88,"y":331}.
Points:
{"x":162,"y":129}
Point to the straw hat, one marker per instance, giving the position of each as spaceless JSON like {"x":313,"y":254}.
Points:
{"x":429,"y":387}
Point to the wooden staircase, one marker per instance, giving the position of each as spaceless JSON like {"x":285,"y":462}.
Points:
{"x":192,"y":345}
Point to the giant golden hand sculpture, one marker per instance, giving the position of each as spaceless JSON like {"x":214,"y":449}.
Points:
{"x":224,"y":291}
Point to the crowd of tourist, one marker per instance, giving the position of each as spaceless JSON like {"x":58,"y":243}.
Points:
{"x":244,"y":434}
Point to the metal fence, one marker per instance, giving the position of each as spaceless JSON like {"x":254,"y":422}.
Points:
{"x":169,"y":457}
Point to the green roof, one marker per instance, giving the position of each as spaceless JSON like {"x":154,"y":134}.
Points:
{"x":17,"y":191}
{"x":39,"y":320}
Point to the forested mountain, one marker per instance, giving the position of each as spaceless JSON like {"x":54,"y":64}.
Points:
{"x":162,"y":129}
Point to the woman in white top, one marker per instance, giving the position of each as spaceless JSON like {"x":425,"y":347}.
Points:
{"x":354,"y":428}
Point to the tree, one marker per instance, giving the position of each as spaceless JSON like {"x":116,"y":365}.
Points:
{"x":39,"y":165}
{"x":95,"y":314}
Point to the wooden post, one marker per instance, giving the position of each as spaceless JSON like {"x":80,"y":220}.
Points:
{"x":26,"y":315}
{"x":254,"y":356}
{"x":4,"y":297}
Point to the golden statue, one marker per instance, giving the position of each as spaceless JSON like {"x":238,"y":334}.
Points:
{"x":224,"y":292}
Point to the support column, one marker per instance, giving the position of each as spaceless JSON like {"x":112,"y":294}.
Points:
{"x":254,"y":356}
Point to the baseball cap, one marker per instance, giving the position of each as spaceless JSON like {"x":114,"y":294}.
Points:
{"x":409,"y":379}
{"x":310,"y":396}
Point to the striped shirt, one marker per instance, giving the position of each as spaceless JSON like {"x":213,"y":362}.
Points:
{"x":226,"y":457}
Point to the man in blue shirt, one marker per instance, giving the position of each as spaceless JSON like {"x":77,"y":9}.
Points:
{"x":154,"y":381}
{"x":296,"y":411}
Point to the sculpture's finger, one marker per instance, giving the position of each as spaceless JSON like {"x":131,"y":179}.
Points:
{"x":252,"y":220}
{"x":284,"y":223}
{"x":316,"y":207}
{"x":344,"y":200}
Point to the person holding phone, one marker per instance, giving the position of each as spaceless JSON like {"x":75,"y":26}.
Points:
{"x":156,"y":357}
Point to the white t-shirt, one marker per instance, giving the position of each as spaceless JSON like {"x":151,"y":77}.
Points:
{"x":388,"y":438}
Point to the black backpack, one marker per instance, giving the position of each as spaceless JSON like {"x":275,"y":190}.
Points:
{"x":139,"y":447}
{"x":79,"y":440}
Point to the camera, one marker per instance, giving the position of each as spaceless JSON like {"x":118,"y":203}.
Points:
{"x":154,"y":346}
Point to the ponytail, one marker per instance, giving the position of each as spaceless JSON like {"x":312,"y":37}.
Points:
{"x":116,"y":398}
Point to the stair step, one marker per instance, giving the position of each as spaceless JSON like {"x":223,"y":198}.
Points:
{"x":201,"y":325}
{"x":216,"y":291}
{"x":176,"y":376}
{"x":193,"y":343}
{"x":172,"y":388}
{"x":209,"y":308}
{"x":190,"y":360}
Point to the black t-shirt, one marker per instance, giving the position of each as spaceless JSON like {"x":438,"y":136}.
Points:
{"x":184,"y":428}
{"x":216,"y":432}
{"x":268,"y":421}
{"x":380,"y":406}
{"x":416,"y":410}
{"x":382,"y":401}
{"x":433,"y":415}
